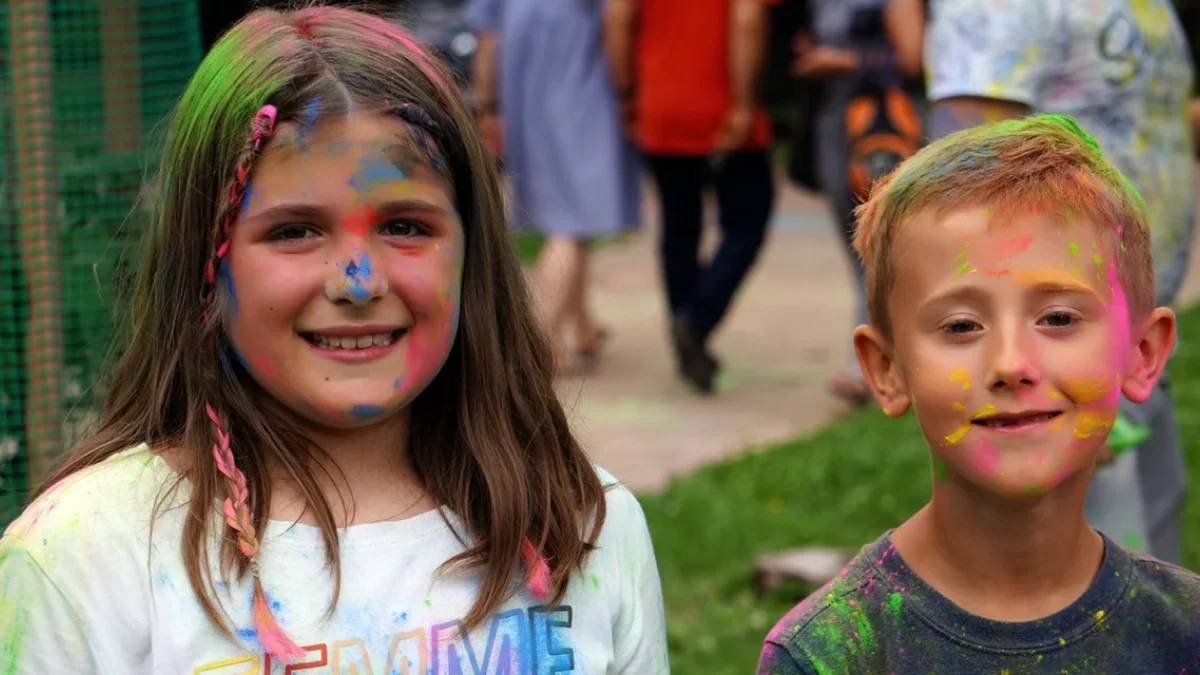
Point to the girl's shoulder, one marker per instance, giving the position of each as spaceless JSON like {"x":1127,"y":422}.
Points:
{"x":624,"y":522}
{"x":95,"y":508}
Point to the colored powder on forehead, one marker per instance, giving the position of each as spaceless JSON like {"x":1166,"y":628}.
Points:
{"x":960,"y":374}
{"x":361,"y":221}
{"x":1073,"y":248}
{"x":374,"y":170}
{"x":1021,"y":243}
{"x":1053,"y":279}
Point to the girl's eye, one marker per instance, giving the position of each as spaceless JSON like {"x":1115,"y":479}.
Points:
{"x":960,"y":327}
{"x":291,"y":232}
{"x":403,"y":228}
{"x":1059,"y":319}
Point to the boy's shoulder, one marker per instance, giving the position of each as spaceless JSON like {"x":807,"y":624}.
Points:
{"x":1161,"y":589}
{"x":846,"y":615}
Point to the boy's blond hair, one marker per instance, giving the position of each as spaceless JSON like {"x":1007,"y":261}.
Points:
{"x":1043,"y":164}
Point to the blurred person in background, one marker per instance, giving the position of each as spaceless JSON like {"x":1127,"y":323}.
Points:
{"x":1122,"y":69}
{"x":687,"y":72}
{"x":864,"y":97}
{"x":546,"y":106}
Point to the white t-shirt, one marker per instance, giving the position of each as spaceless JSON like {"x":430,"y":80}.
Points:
{"x":1119,"y":67}
{"x":86,"y":587}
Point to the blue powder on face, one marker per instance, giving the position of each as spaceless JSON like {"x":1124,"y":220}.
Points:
{"x":366,"y":412}
{"x":225,"y":279}
{"x":375,"y":170}
{"x":246,"y":200}
{"x":398,"y":383}
{"x":359,"y":275}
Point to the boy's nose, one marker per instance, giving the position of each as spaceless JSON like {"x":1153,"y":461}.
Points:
{"x":354,"y":281}
{"x":1013,"y":365}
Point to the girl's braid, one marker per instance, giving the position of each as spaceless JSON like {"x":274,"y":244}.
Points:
{"x":237,"y":503}
{"x":264,"y":124}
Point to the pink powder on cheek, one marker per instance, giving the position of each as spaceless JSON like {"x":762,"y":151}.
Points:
{"x":986,"y":458}
{"x":265,"y":367}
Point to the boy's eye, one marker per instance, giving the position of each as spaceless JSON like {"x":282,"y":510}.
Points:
{"x":403,"y":228}
{"x":961,"y":326}
{"x":291,"y":232}
{"x":1058,"y":319}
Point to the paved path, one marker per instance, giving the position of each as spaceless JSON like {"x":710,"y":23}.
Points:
{"x":787,"y":333}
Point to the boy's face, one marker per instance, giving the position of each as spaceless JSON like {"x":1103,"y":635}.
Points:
{"x":1013,"y":343}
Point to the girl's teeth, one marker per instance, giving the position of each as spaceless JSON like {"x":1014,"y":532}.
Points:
{"x":351,"y":342}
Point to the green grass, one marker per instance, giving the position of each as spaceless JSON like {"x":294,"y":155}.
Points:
{"x":842,"y":486}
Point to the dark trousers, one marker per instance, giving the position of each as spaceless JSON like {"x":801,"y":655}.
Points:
{"x":745,"y":190}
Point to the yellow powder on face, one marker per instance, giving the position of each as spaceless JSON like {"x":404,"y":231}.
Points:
{"x":986,"y":410}
{"x":1054,"y":395}
{"x":1050,"y":278}
{"x":957,"y":436}
{"x":960,"y":374}
{"x":1090,"y":422}
{"x":1084,"y":390}
{"x":958,"y":406}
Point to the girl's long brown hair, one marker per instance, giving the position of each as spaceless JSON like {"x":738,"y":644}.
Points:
{"x":488,"y":437}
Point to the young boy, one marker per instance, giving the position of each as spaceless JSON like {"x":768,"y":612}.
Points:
{"x":1011,"y":299}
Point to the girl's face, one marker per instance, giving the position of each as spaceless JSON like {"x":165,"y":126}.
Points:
{"x":344,"y":271}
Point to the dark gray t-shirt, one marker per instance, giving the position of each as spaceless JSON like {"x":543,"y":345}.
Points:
{"x":1139,"y":617}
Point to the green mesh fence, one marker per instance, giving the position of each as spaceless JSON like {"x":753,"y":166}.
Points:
{"x":84,"y":88}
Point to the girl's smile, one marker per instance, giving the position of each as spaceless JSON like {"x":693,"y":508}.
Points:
{"x":344,"y":270}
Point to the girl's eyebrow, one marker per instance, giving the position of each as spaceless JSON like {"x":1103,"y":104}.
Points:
{"x":302,"y":211}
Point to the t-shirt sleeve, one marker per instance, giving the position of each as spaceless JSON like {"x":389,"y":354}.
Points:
{"x":40,"y":632}
{"x":776,"y":660}
{"x":974,"y":48}
{"x":640,"y":633}
{"x":484,"y":14}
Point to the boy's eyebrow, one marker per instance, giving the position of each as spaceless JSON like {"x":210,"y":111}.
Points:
{"x":1053,"y":281}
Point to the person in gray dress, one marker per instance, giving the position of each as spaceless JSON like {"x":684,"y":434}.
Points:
{"x":547,"y":106}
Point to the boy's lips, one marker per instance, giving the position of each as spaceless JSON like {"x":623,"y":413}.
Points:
{"x":1013,"y":422}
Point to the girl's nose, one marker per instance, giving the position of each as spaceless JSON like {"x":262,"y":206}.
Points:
{"x":354,"y":281}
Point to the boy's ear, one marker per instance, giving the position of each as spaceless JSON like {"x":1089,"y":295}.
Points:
{"x":881,"y":370}
{"x":1151,"y":344}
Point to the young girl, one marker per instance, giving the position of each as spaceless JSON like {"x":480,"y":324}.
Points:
{"x":332,"y":441}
